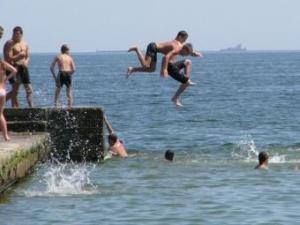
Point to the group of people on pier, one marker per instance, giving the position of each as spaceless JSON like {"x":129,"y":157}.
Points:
{"x":14,"y":69}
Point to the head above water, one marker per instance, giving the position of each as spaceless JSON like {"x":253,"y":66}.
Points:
{"x":169,"y":155}
{"x":182,"y":36}
{"x":187,"y":49}
{"x":112,"y":139}
{"x":1,"y":32}
{"x":64,"y":49}
{"x":263,"y":158}
{"x":17,"y":34}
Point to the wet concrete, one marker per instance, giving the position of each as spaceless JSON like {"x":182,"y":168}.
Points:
{"x":20,"y":154}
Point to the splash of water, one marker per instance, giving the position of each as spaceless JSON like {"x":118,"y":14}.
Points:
{"x":68,"y":180}
{"x":246,"y":150}
{"x":64,"y":180}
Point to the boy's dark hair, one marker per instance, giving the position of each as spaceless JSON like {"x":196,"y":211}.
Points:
{"x":113,"y":138}
{"x":188,"y":47}
{"x":169,"y":155}
{"x":64,"y":48}
{"x":262,"y":157}
{"x":1,"y":29}
{"x":183,"y":34}
{"x":18,"y":28}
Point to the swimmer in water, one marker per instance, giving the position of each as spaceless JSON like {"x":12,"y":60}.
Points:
{"x":116,"y":147}
{"x":169,"y":155}
{"x":4,"y":69}
{"x":263,"y":161}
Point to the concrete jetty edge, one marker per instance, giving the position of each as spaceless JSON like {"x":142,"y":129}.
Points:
{"x":18,"y":156}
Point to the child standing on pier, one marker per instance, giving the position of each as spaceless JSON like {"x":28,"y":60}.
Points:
{"x":4,"y":67}
{"x":66,"y":68}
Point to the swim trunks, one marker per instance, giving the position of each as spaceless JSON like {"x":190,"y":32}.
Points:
{"x":174,"y":70}
{"x":11,"y":80}
{"x":23,"y":76}
{"x":65,"y":78}
{"x":152,"y":52}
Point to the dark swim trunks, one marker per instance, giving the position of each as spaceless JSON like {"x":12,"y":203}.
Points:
{"x":23,"y":76}
{"x":174,"y":70}
{"x":11,"y":80}
{"x":65,"y":78}
{"x":152,"y":52}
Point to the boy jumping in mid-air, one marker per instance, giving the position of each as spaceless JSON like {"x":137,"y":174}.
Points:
{"x":66,"y":67}
{"x":148,"y":62}
{"x":174,"y":69}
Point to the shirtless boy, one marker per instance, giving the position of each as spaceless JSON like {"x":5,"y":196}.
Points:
{"x":16,"y":53}
{"x":66,"y":68}
{"x":116,"y":147}
{"x":148,"y":62}
{"x":4,"y":68}
{"x":174,"y":69}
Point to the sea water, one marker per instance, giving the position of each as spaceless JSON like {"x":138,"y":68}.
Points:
{"x":242,"y":104}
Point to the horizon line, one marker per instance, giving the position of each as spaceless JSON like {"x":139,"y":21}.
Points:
{"x":103,"y":51}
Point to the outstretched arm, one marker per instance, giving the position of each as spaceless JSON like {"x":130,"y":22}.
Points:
{"x":108,"y":125}
{"x":197,"y":54}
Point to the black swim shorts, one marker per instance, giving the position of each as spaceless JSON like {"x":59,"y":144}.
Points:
{"x":152,"y":52}
{"x":11,"y":80}
{"x":65,"y":78}
{"x":174,"y":70}
{"x":23,"y":76}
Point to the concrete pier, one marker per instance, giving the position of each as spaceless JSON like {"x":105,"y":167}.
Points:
{"x":68,"y":134}
{"x":18,"y":156}
{"x":76,"y":134}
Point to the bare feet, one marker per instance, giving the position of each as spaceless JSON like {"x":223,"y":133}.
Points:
{"x":6,"y":138}
{"x":133,"y":49}
{"x":129,"y":71}
{"x":177,"y":102}
{"x":192,"y":83}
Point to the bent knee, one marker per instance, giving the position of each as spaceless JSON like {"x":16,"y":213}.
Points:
{"x":188,"y":62}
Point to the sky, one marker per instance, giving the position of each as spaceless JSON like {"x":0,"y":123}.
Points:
{"x":92,"y":25}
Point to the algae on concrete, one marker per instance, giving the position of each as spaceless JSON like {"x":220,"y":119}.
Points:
{"x":18,"y":156}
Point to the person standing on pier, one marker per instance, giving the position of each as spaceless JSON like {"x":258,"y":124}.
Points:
{"x":16,"y":53}
{"x":4,"y":69}
{"x":66,"y":68}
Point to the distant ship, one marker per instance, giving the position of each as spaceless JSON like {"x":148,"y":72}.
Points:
{"x":238,"y":48}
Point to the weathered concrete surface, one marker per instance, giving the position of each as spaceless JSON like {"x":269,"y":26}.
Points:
{"x":75,"y":133}
{"x":18,"y":156}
